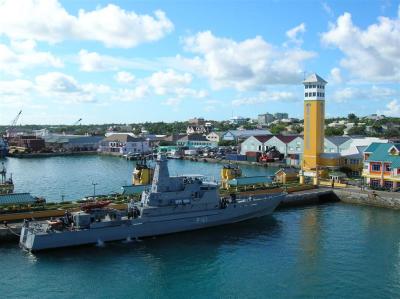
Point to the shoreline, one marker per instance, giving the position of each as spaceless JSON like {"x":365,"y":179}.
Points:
{"x":48,"y":155}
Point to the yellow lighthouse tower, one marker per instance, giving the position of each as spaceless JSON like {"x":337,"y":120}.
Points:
{"x":314,"y":122}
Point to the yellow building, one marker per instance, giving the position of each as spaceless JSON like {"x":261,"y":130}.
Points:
{"x":314,"y":123}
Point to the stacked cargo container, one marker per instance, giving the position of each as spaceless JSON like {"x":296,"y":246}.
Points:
{"x":253,"y":156}
{"x":235,"y":157}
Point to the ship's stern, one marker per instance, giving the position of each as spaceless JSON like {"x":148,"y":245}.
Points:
{"x":26,"y":238}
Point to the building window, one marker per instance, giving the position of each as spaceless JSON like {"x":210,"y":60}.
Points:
{"x":388,"y":184}
{"x":388,"y":168}
{"x":306,"y":94}
{"x":375,"y":183}
{"x":313,"y":94}
{"x":306,"y":86}
{"x":376,"y":167}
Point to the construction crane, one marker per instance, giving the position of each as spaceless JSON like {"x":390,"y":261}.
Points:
{"x":10,"y":130}
{"x":77,"y":122}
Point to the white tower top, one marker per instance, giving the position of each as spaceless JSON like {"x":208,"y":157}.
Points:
{"x":314,"y":88}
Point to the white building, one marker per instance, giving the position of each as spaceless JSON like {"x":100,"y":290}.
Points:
{"x":124,"y":144}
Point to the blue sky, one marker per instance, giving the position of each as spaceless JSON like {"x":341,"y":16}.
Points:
{"x":134,"y":61}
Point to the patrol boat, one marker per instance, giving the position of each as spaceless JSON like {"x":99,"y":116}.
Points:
{"x":172,"y":204}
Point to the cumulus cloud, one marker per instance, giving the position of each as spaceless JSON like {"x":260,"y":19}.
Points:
{"x":336,"y":75}
{"x":372,"y":54}
{"x":48,"y":20}
{"x":23,"y":55}
{"x":65,"y":88}
{"x":124,"y":77}
{"x":264,"y":97}
{"x":249,"y":64}
{"x":92,"y":62}
{"x":173,"y":102}
{"x":393,"y":109}
{"x":293,"y":34}
{"x":164,"y":82}
{"x":373,"y":93}
{"x":168,"y":83}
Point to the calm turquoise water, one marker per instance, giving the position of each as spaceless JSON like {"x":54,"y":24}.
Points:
{"x":73,"y":176}
{"x":329,"y":251}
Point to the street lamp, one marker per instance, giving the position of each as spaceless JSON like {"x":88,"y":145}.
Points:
{"x":94,"y":190}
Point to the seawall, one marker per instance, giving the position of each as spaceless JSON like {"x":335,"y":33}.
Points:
{"x":368,"y":197}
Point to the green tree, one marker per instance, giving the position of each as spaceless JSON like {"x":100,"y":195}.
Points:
{"x":334,"y":131}
{"x":352,"y":117}
{"x":357,"y":130}
{"x":277,"y":129}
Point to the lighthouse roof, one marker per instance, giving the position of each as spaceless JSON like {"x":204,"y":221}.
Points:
{"x":313,"y":78}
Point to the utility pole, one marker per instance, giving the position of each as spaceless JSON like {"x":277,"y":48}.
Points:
{"x":94,"y":189}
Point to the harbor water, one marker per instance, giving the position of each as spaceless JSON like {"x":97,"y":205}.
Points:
{"x":326,"y":251}
{"x":72,"y":176}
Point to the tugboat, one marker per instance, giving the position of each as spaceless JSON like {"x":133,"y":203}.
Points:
{"x":171,"y":205}
{"x":6,"y":185}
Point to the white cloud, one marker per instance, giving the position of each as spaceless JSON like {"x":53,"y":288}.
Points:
{"x":293,"y":34}
{"x":336,"y":76}
{"x":57,"y":82}
{"x":264,"y":97}
{"x":22,"y":55}
{"x":65,"y":88}
{"x":95,"y":62}
{"x":124,"y":77}
{"x":372,"y":54}
{"x":393,"y":109}
{"x":48,"y":20}
{"x":373,"y":93}
{"x":327,"y":9}
{"x":162,"y":83}
{"x":169,"y":81}
{"x":173,"y":102}
{"x":249,"y":64}
{"x":131,"y":95}
{"x":92,"y":62}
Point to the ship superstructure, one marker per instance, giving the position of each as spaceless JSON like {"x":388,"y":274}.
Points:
{"x":170,"y":205}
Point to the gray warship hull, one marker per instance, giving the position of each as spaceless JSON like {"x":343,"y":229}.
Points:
{"x":169,"y":220}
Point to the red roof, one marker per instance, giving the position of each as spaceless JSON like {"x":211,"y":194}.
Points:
{"x":263,"y":138}
{"x":287,"y":138}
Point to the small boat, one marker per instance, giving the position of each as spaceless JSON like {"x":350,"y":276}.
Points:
{"x":94,"y":205}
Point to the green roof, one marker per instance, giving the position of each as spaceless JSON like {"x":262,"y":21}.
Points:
{"x":380,"y":153}
{"x":242,"y":181}
{"x":372,"y":147}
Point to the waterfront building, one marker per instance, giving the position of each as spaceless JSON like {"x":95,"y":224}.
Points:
{"x":239,"y":135}
{"x":121,"y":144}
{"x":195,"y":141}
{"x":214,"y":136}
{"x":382,"y":165}
{"x":83,"y":143}
{"x":280,"y":142}
{"x":290,"y":146}
{"x":336,"y":144}
{"x":254,"y":144}
{"x":314,"y":121}
{"x":28,"y":142}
